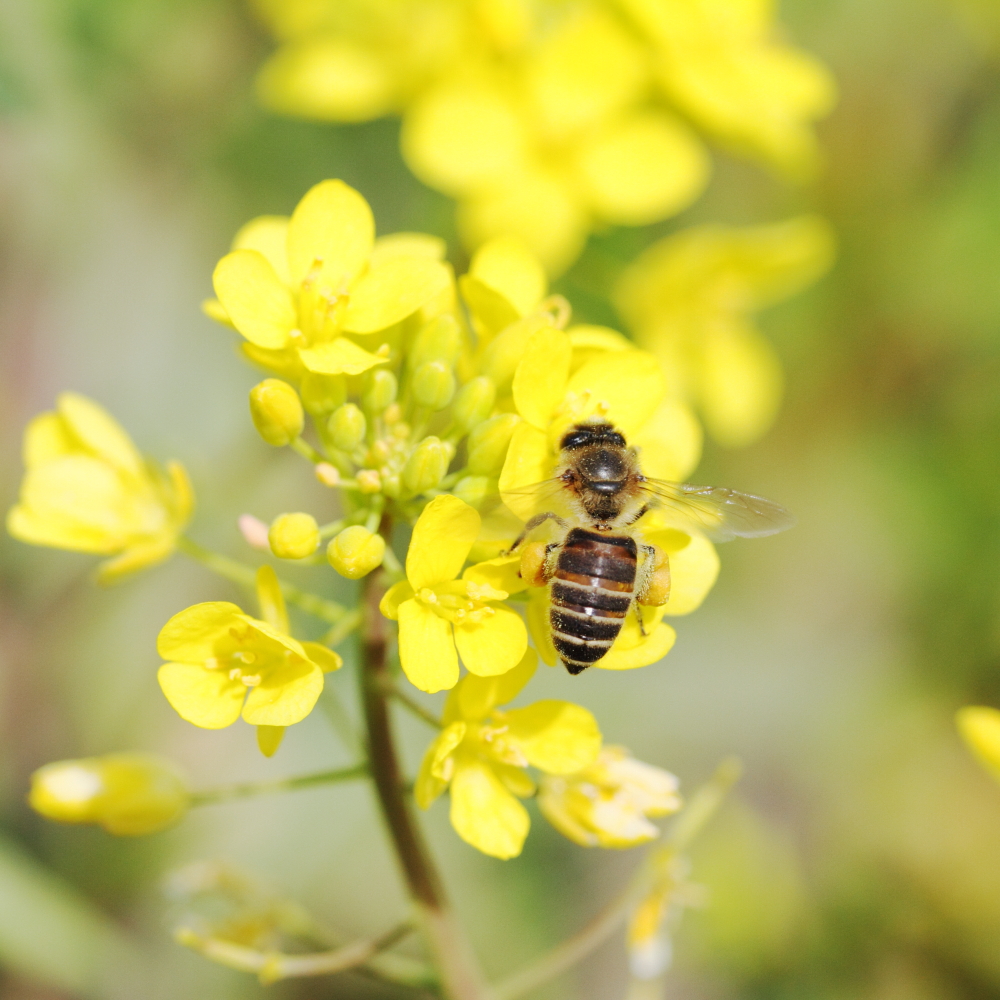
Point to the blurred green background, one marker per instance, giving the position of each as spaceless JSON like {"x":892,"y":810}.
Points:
{"x":861,"y":856}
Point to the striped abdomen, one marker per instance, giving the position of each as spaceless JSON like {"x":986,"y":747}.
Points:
{"x":591,"y":594}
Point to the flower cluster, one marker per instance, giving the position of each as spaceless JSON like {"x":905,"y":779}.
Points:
{"x":546,"y":120}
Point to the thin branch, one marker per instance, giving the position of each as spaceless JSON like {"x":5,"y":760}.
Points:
{"x":339,"y":632}
{"x":246,"y":576}
{"x":412,"y":706}
{"x":231,"y":792}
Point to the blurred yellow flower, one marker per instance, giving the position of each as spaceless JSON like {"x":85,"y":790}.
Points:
{"x":689,"y":300}
{"x":979,"y":726}
{"x":546,"y":121}
{"x":128,"y":794}
{"x":87,"y":488}
{"x":295,"y":288}
{"x":608,"y":803}
{"x":482,"y":753}
{"x":223,"y":663}
{"x":437,"y":612}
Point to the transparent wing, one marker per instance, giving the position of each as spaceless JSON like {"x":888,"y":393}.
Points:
{"x":719,"y":513}
{"x":504,"y":514}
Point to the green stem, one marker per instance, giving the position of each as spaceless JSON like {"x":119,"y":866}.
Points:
{"x":246,"y":576}
{"x":413,"y":706}
{"x":461,"y":977}
{"x":231,"y":792}
{"x":306,"y":450}
{"x":338,"y":633}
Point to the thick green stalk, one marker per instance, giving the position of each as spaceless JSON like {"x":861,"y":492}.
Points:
{"x":461,"y":978}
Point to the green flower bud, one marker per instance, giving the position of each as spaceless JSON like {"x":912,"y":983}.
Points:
{"x":488,"y":443}
{"x":128,"y":794}
{"x":439,"y":340}
{"x":474,"y":403}
{"x":472,"y":489}
{"x":277,"y":411}
{"x":427,"y":466}
{"x":380,"y":391}
{"x":322,"y":394}
{"x":355,"y":552}
{"x":392,"y":485}
{"x":433,"y":385}
{"x":347,"y":426}
{"x":293,"y":536}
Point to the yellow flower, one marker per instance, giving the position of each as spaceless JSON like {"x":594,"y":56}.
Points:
{"x":689,"y":299}
{"x":437,"y":612}
{"x":555,"y":386}
{"x":720,"y":62}
{"x":607,"y":803}
{"x":128,"y":794}
{"x":87,"y":488}
{"x":225,"y":663}
{"x":979,"y":726}
{"x":482,"y":753}
{"x":295,"y":288}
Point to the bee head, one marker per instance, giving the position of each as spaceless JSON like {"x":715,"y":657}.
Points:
{"x":598,"y":454}
{"x":583,"y":435}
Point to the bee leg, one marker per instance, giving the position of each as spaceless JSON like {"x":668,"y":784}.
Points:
{"x":538,"y":565}
{"x":638,"y":618}
{"x":652,"y":584}
{"x":531,"y":525}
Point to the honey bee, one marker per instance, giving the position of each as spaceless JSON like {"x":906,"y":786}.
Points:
{"x":595,"y":569}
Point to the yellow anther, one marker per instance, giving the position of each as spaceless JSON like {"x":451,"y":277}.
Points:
{"x":235,"y":674}
{"x":369,"y":481}
{"x":251,"y":680}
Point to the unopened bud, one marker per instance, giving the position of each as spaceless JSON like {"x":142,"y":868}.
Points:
{"x":433,"y":385}
{"x":380,"y":391}
{"x":369,"y":481}
{"x":293,"y":536}
{"x":439,"y":340}
{"x":347,"y":426}
{"x":427,"y":466}
{"x":322,"y":394}
{"x":254,"y":532}
{"x":474,"y":403}
{"x":327,"y":474}
{"x":128,"y":794}
{"x":391,"y":485}
{"x":472,"y":489}
{"x":276,"y":411}
{"x":355,"y":552}
{"x":488,"y":443}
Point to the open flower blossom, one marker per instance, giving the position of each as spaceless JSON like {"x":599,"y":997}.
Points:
{"x":128,"y":794}
{"x":224,"y":664}
{"x":441,"y":617}
{"x":979,"y":726}
{"x":483,"y":752}
{"x":690,"y":297}
{"x":607,"y":804}
{"x":563,"y":378}
{"x":87,"y":488}
{"x":548,"y":121}
{"x":300,"y":289}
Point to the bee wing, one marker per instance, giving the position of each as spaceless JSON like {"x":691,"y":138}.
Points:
{"x":504,"y":514}
{"x":719,"y":513}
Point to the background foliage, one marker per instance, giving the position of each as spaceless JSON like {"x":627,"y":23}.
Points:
{"x":860,"y":857}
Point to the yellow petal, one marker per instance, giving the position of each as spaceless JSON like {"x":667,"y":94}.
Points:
{"x":529,"y":461}
{"x":392,"y":291}
{"x":99,"y":432}
{"x":433,"y":777}
{"x":494,"y":645}
{"x":652,"y":648}
{"x":268,"y":235}
{"x":325,"y":658}
{"x":539,"y":601}
{"x":476,"y":697}
{"x":285,"y":362}
{"x":191,"y":634}
{"x":642,"y":169}
{"x":504,"y":352}
{"x":271,"y":600}
{"x":286,"y":695}
{"x":47,"y":437}
{"x":501,"y":573}
{"x":255,"y":298}
{"x":393,"y":597}
{"x":741,"y":384}
{"x":441,"y":540}
{"x":627,"y":385}
{"x":557,"y":737}
{"x":136,"y":557}
{"x":492,"y":311}
{"x":205,"y":698}
{"x":339,"y":357}
{"x":507,"y":266}
{"x":326,"y":78}
{"x":483,"y":813}
{"x":540,"y":379}
{"x":214,"y":309}
{"x":426,"y":648}
{"x":408,"y":245}
{"x":462,"y":136}
{"x":670,"y":442}
{"x":331,"y":224}
{"x":980,"y":728}
{"x":269,"y":739}
{"x":693,"y":572}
